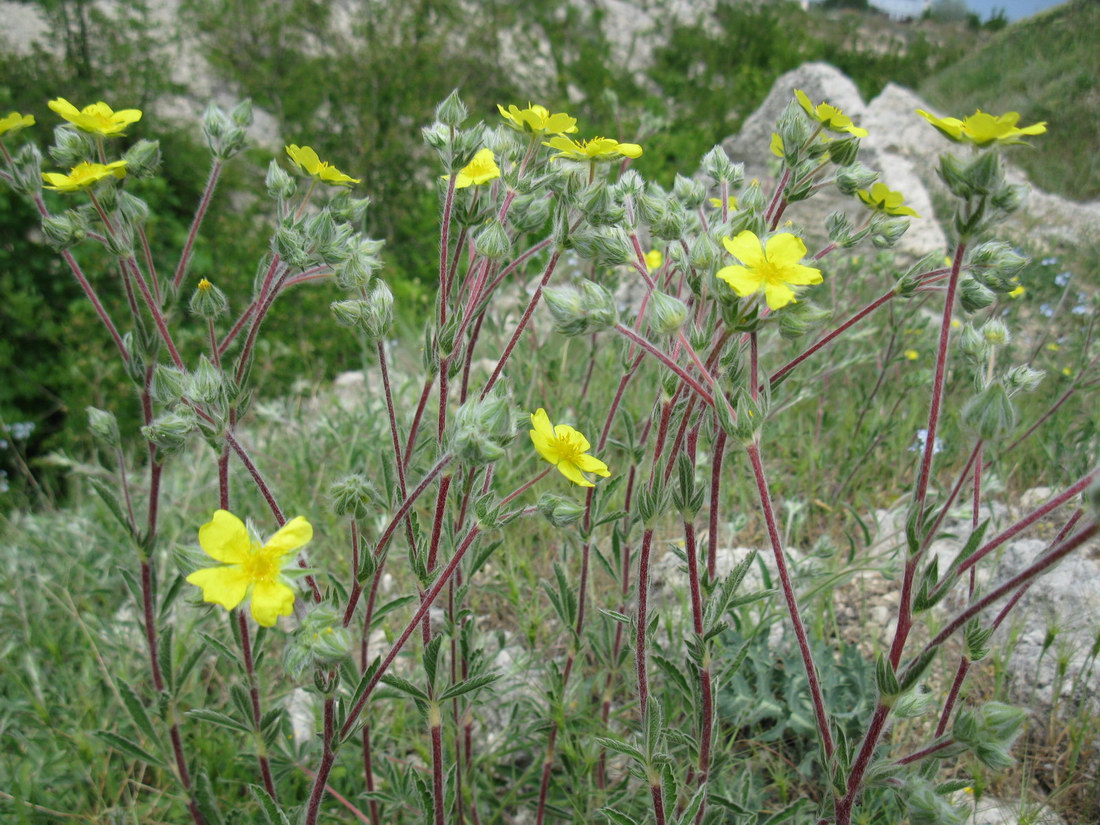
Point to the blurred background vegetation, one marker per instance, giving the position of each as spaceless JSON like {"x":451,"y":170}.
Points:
{"x":357,"y":82}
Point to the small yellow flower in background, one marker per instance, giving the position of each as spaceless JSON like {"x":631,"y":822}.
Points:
{"x":770,"y":268}
{"x":482,"y":169}
{"x":654,"y":259}
{"x":1017,"y":292}
{"x":14,"y":122}
{"x":249,"y":568}
{"x":955,"y":323}
{"x":912,"y":354}
{"x":537,"y":120}
{"x":731,"y":202}
{"x":883,"y":199}
{"x":968,"y":790}
{"x":828,"y":116}
{"x":566,"y":449}
{"x":83,"y":175}
{"x":777,"y":144}
{"x":308,"y":162}
{"x":1067,"y":371}
{"x":98,"y":118}
{"x":984,"y":129}
{"x":598,"y":148}
{"x":1054,"y":346}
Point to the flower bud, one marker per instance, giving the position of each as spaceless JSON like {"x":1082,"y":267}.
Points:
{"x":666,"y":314}
{"x":840,"y":229}
{"x":855,"y":176}
{"x":207,"y":384}
{"x":799,"y":318}
{"x":452,"y":111}
{"x":843,"y":152}
{"x":559,"y":510}
{"x":705,"y":253}
{"x":793,"y":130}
{"x":1022,"y":379}
{"x":990,"y":413}
{"x":132,"y":208}
{"x":241,"y":114}
{"x":492,"y":241}
{"x":103,"y":426}
{"x":591,"y":308}
{"x":142,"y":159}
{"x":321,"y":642}
{"x":483,"y":427}
{"x":916,"y":701}
{"x":437,"y":136}
{"x":290,"y":244}
{"x":168,"y":384}
{"x":671,"y":224}
{"x":599,"y":206}
{"x":70,"y":147}
{"x":224,"y":137}
{"x":65,"y":230}
{"x":279,"y":182}
{"x":354,"y":496}
{"x":350,"y":313}
{"x":604,"y":245}
{"x":170,"y":430}
{"x":27,"y":170}
{"x":926,"y":807}
{"x":1010,"y":197}
{"x":690,"y":192}
{"x":995,"y":332}
{"x":719,"y":168}
{"x":349,"y":209}
{"x":885,"y":232}
{"x":752,"y":197}
{"x":208,"y":302}
{"x":529,"y":212}
{"x":974,"y":295}
{"x":995,"y":263}
{"x":379,"y":314}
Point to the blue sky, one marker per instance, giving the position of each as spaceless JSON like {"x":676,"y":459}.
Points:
{"x":1014,"y":9}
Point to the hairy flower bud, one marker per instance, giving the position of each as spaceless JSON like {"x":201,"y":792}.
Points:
{"x":27,"y":170}
{"x":843,"y":152}
{"x":690,"y":192}
{"x":279,"y":182}
{"x":290,"y":244}
{"x":451,"y":111}
{"x":1022,"y":379}
{"x":208,"y":302}
{"x":604,"y":245}
{"x":241,"y":114}
{"x":207,"y":385}
{"x":142,"y":159}
{"x":103,"y":426}
{"x":800,"y":318}
{"x":752,"y":197}
{"x":666,"y":314}
{"x":995,"y":264}
{"x":355,"y":496}
{"x":974,"y":295}
{"x":437,"y":136}
{"x":483,"y":427}
{"x":169,"y":431}
{"x":169,"y":384}
{"x":321,"y":642}
{"x":224,"y":137}
{"x":1010,"y":197}
{"x":492,"y":241}
{"x":579,"y":311}
{"x":719,"y":168}
{"x":885,"y":232}
{"x":853,"y":177}
{"x":995,"y":332}
{"x":64,"y":230}
{"x":705,"y":253}
{"x":990,"y":413}
{"x":599,"y":205}
{"x":70,"y":146}
{"x":559,"y":510}
{"x":529,"y":213}
{"x":670,"y":224}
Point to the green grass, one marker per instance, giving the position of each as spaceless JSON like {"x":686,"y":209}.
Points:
{"x":1046,"y":68}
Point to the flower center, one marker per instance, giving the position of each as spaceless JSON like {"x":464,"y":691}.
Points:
{"x":261,"y":567}
{"x":568,"y":448}
{"x":771,"y":273}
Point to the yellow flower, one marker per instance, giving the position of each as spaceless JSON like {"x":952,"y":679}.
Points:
{"x":598,"y":148}
{"x":250,"y":568}
{"x":537,"y":120}
{"x":912,"y":354}
{"x":654,"y":259}
{"x":98,"y":118}
{"x":204,"y":285}
{"x":83,"y":175}
{"x":482,"y":169}
{"x":731,"y":202}
{"x":984,"y":129}
{"x":769,"y":268}
{"x":1017,"y":292}
{"x":1054,"y":346}
{"x":1067,"y":371}
{"x":14,"y":122}
{"x":883,"y":199}
{"x":566,"y":449}
{"x":828,"y":116}
{"x":955,"y":322}
{"x":325,"y":172}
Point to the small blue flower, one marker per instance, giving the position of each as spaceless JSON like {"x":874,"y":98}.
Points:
{"x":1046,"y":310}
{"x":922,"y":441}
{"x":1062,"y":278}
{"x":1049,"y":261}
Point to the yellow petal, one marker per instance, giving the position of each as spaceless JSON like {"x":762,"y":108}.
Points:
{"x":785,"y":248}
{"x":591,"y":464}
{"x":745,"y":247}
{"x":541,"y":422}
{"x":565,"y":432}
{"x":221,"y":585}
{"x":62,"y":107}
{"x":801,"y":275}
{"x":225,"y":538}
{"x":778,"y":295}
{"x":631,"y":150}
{"x":270,"y":600}
{"x":805,"y":102}
{"x":292,"y":535}
{"x":743,"y":280}
{"x":545,"y":446}
{"x":572,"y":472}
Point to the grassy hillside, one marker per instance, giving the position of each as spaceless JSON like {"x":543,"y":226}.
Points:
{"x":1046,"y":68}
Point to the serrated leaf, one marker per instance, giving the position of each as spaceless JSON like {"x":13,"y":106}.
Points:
{"x":219,"y":645}
{"x":273,"y":814}
{"x":137,"y":711}
{"x":620,"y":747}
{"x":405,"y":686}
{"x":205,"y":799}
{"x":464,"y":687}
{"x":618,"y":817}
{"x":132,"y":749}
{"x":220,"y":719}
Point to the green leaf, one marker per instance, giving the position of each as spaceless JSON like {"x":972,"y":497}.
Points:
{"x":220,"y":719}
{"x":618,"y":817}
{"x":129,"y":748}
{"x":696,"y":801}
{"x":405,"y":686}
{"x":137,"y":711}
{"x":273,"y":814}
{"x":617,"y":746}
{"x":206,"y":800}
{"x":476,"y":683}
{"x":219,"y":646}
{"x":111,"y":500}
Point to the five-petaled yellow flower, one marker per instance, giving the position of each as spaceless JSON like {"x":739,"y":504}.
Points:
{"x":482,"y":169}
{"x":249,"y":566}
{"x":984,"y":129}
{"x":312,"y":165}
{"x":828,"y":116}
{"x":97,"y":118}
{"x":537,"y":120}
{"x":654,"y":259}
{"x":598,"y":148}
{"x":1017,"y":292}
{"x":769,"y":268}
{"x":83,"y":175}
{"x":14,"y":122}
{"x":912,"y":354}
{"x":883,"y":199}
{"x":566,"y":449}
